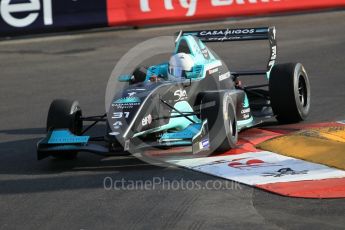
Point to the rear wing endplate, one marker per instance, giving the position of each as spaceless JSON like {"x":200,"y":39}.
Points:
{"x":241,"y":34}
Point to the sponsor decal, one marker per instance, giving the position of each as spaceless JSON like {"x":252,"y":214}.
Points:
{"x":39,"y":14}
{"x":117,"y":124}
{"x":274,"y":53}
{"x":31,"y":16}
{"x":284,"y":172}
{"x":247,"y":163}
{"x":243,"y":111}
{"x":146,"y":120}
{"x":168,"y":4}
{"x":127,"y":100}
{"x":114,"y":133}
{"x":131,"y":94}
{"x":220,"y":39}
{"x":181,"y":94}
{"x":241,"y":163}
{"x":66,"y":137}
{"x":204,"y":144}
{"x":245,"y":102}
{"x":205,"y":53}
{"x":246,"y":116}
{"x":213,"y":163}
{"x":273,"y":57}
{"x":227,"y":32}
{"x":136,"y":89}
{"x":119,"y":115}
{"x":212,"y":71}
{"x":126,"y":147}
{"x":191,"y":6}
{"x":224,"y":76}
{"x":125,"y":106}
{"x":260,"y":168}
{"x":25,"y":14}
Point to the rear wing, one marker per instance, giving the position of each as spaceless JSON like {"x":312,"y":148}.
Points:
{"x":242,"y":34}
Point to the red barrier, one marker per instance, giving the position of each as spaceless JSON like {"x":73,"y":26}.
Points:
{"x":144,"y":12}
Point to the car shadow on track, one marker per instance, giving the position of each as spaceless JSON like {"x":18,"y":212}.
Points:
{"x":18,"y":155}
{"x":23,"y":131}
{"x":20,"y":172}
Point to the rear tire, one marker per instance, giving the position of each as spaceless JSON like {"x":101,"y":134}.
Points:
{"x":65,"y":114}
{"x":289,"y":92}
{"x":219,"y":110}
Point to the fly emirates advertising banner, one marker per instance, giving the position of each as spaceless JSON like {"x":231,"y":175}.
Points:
{"x":29,"y":16}
{"x":143,"y":12}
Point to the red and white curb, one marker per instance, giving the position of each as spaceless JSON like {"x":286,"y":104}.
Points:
{"x":271,"y":171}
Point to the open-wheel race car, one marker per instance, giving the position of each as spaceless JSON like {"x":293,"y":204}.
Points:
{"x":193,"y":99}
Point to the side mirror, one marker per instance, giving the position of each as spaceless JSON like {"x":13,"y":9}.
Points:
{"x":125,"y":78}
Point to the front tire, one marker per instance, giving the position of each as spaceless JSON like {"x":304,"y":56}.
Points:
{"x":289,"y":92}
{"x":139,"y":75}
{"x":65,"y":114}
{"x":219,"y":110}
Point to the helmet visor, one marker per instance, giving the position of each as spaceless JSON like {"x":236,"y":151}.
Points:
{"x":175,"y":71}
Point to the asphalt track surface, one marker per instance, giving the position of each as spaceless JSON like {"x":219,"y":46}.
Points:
{"x":53,"y":194}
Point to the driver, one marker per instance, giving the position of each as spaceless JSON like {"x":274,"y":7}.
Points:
{"x":180,"y":66}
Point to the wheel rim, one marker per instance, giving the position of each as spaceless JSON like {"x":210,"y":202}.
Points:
{"x":302,"y":91}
